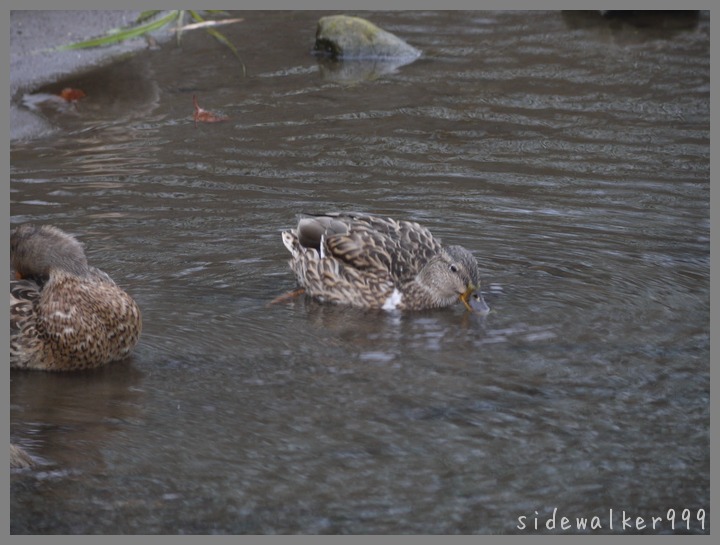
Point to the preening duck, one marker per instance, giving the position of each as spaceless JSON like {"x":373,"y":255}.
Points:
{"x":65,"y":314}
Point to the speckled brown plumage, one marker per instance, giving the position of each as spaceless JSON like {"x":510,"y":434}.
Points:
{"x":65,"y":314}
{"x":372,"y":262}
{"x":19,"y":459}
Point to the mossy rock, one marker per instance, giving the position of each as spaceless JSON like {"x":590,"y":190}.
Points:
{"x":345,"y":37}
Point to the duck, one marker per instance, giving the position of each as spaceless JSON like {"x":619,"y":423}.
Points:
{"x":19,"y":459}
{"x":374,"y":262}
{"x":65,"y":315}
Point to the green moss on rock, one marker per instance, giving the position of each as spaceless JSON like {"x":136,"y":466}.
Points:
{"x":346,"y":37}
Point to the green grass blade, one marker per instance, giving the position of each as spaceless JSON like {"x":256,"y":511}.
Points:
{"x":219,"y":37}
{"x":145,"y":15}
{"x":223,"y":40}
{"x":179,"y":22}
{"x":122,"y":35}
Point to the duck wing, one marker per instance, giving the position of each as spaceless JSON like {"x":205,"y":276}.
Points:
{"x":24,"y":295}
{"x":372,"y":244}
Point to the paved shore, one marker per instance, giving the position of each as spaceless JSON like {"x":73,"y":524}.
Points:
{"x":34,"y":62}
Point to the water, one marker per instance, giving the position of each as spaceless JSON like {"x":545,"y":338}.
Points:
{"x":570,"y":153}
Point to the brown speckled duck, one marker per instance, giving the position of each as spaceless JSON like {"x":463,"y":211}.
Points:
{"x":372,"y":262}
{"x":19,"y":459}
{"x":65,"y":314}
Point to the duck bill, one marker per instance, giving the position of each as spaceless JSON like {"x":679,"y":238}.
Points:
{"x":474,"y":304}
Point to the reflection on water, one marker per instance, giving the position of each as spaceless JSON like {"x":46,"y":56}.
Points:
{"x":568,"y":151}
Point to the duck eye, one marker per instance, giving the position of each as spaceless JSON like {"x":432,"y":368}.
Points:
{"x":453,"y":268}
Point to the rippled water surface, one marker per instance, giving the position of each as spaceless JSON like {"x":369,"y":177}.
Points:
{"x":568,"y":151}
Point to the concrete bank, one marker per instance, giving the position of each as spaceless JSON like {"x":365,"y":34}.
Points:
{"x":34,"y":62}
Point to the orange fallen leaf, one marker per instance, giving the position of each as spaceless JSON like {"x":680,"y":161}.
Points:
{"x":204,"y":116}
{"x":72,"y":95}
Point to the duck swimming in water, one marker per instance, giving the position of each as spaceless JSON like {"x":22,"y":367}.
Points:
{"x":65,"y":314}
{"x":372,"y":262}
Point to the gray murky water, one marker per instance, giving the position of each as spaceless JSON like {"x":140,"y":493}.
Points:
{"x":570,"y":153}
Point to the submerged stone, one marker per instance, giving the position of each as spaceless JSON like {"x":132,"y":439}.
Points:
{"x":346,"y":37}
